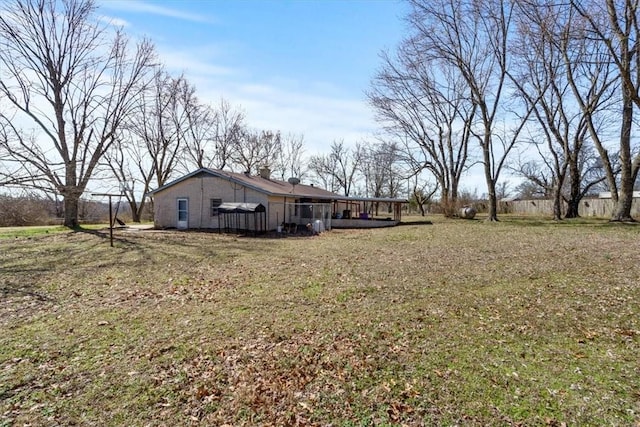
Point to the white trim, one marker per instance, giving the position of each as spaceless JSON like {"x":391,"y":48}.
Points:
{"x":182,"y":224}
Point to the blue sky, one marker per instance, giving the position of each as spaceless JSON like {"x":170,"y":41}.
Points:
{"x":295,"y":66}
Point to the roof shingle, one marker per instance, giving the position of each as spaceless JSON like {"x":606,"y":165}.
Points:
{"x":271,"y":187}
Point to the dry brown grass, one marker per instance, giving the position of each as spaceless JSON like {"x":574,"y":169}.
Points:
{"x":459,"y":322}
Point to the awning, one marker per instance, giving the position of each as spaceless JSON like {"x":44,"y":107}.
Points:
{"x":241,"y":208}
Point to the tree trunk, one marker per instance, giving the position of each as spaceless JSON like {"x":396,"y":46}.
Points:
{"x":71,"y":193}
{"x":493,"y":205}
{"x":71,"y":202}
{"x":447,"y":207}
{"x":622,"y":210}
{"x":136,"y":209}
{"x":573,"y":205}
{"x":557,"y":204}
{"x":574,"y":192}
{"x":453,"y":197}
{"x":491,"y":183}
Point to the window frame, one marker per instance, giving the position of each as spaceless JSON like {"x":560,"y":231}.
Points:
{"x":214,"y":203}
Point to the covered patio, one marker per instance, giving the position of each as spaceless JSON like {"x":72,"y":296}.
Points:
{"x":366,"y":212}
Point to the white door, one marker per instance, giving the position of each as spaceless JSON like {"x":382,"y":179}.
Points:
{"x":183,"y":213}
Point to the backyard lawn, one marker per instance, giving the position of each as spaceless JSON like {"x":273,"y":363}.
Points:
{"x":521,"y":322}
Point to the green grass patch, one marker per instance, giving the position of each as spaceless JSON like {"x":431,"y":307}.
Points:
{"x":40,"y":230}
{"x":15,"y":232}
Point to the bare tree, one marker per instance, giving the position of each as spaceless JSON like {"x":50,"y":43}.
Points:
{"x":322,"y":167}
{"x":427,"y":105}
{"x":589,"y":175}
{"x":380,"y":166}
{"x":198,"y":150}
{"x":152,"y":138}
{"x":616,"y":28}
{"x":215,"y":133}
{"x":530,"y":190}
{"x":537,"y":177}
{"x":255,"y":149}
{"x":229,"y":127}
{"x":550,"y":34}
{"x":14,"y":173}
{"x":421,"y":192}
{"x":540,"y":82}
{"x":162,"y":122}
{"x":473,"y":37}
{"x":63,"y":76}
{"x":290,"y":161}
{"x":337,"y":170}
{"x":129,"y":162}
{"x":503,"y":190}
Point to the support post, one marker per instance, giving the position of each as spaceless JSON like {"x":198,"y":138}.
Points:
{"x":111,"y":219}
{"x":110,"y":222}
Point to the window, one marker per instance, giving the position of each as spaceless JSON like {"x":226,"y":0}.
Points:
{"x":214,"y":206}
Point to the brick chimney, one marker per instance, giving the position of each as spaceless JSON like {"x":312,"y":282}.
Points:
{"x":265,"y":172}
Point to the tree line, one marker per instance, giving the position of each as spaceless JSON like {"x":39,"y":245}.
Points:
{"x":545,"y":89}
{"x":82,"y":103}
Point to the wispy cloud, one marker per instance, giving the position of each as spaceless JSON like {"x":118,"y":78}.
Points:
{"x":155,"y":9}
{"x":320,"y":118}
{"x":198,"y":64}
{"x":321,"y":111}
{"x":116,"y":22}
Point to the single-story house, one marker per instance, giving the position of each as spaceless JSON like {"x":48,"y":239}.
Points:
{"x":229,"y":201}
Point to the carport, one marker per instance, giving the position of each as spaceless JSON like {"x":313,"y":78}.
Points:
{"x":242,"y":218}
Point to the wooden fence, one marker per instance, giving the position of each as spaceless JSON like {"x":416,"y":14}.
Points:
{"x":588,"y":207}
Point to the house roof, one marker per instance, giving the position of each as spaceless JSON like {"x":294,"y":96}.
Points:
{"x":373,"y":199}
{"x":272,"y":187}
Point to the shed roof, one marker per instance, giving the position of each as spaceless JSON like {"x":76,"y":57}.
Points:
{"x":241,"y":208}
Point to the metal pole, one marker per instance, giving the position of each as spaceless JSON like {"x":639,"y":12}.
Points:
{"x":111,"y":219}
{"x":110,"y":222}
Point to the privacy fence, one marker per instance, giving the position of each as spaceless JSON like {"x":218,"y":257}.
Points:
{"x":588,"y":207}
